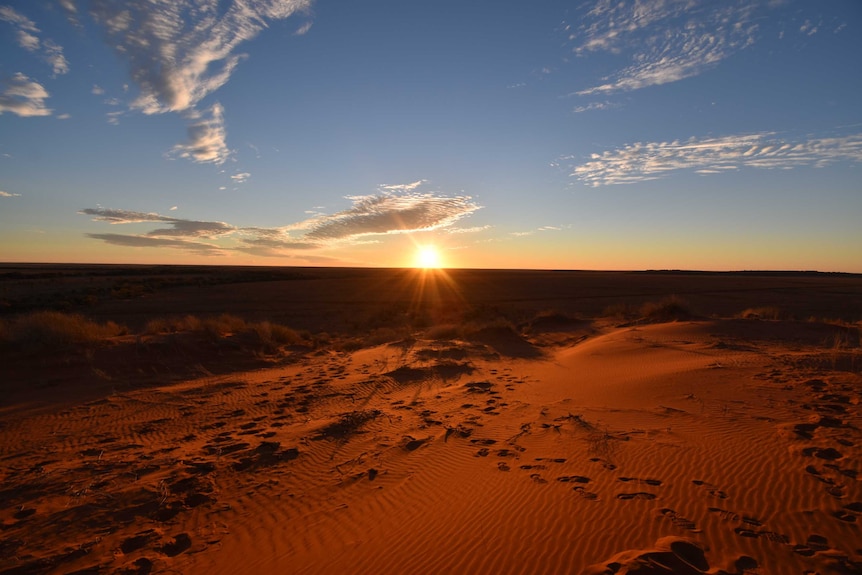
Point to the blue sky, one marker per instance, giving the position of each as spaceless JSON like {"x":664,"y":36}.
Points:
{"x":571,"y":135}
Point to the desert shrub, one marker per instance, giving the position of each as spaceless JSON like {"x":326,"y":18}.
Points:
{"x":272,"y":335}
{"x":173,"y":325}
{"x":224,"y":324}
{"x":766,"y":312}
{"x":671,"y":308}
{"x":52,"y":328}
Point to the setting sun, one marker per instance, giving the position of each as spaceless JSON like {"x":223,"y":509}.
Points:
{"x":428,"y":257}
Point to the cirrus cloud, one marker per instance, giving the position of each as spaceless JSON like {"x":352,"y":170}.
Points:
{"x":180,"y":52}
{"x":662,"y":41}
{"x":640,"y":162}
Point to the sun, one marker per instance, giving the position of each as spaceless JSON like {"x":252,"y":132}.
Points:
{"x":428,"y":257}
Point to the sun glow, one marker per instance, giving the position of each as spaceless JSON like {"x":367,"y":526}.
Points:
{"x":428,"y":257}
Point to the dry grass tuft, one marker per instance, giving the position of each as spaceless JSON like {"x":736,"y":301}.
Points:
{"x":671,"y":308}
{"x":767,"y":312}
{"x":52,"y":329}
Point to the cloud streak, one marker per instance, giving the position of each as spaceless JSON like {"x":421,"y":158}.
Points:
{"x":391,"y":213}
{"x":207,"y":138}
{"x":640,"y":162}
{"x":384,"y":213}
{"x":662,"y":41}
{"x":27,"y":35}
{"x":24,"y":97}
{"x":148,"y":242}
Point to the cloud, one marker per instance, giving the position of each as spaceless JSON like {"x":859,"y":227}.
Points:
{"x":303,"y":30}
{"x":148,"y":242}
{"x":648,"y":161}
{"x":473,"y":230}
{"x":8,"y":195}
{"x":401,"y":187}
{"x":24,"y":97}
{"x":180,"y":52}
{"x":389,"y":213}
{"x":241,"y":177}
{"x":662,"y":41}
{"x":27,"y":35}
{"x":595,"y":106}
{"x":179,"y":227}
{"x":97,"y":90}
{"x":537,"y":230}
{"x":380,"y":214}
{"x":207,"y":137}
{"x":808,"y":28}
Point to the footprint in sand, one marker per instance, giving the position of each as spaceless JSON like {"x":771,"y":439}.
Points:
{"x":844,"y":515}
{"x":711,"y":489}
{"x":589,"y":495}
{"x":636,"y":495}
{"x":573,"y":479}
{"x":678,"y":520}
{"x":606,"y":464}
{"x":814,"y":544}
{"x":827,"y":453}
{"x":653,"y":482}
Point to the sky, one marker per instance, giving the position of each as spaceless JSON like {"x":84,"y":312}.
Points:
{"x":607,"y":135}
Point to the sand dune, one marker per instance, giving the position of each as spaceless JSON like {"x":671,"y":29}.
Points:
{"x":685,"y":447}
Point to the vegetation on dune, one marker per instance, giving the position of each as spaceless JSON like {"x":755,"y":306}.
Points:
{"x":670,"y":308}
{"x":52,"y":329}
{"x":45,"y":329}
{"x":766,"y":312}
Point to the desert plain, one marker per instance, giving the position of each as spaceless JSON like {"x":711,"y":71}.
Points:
{"x":163,"y":419}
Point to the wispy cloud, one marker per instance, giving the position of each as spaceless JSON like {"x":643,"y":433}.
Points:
{"x":27,"y":35}
{"x":648,"y":161}
{"x":390,"y":213}
{"x":207,"y":138}
{"x":8,"y":195}
{"x":595,"y":106}
{"x":178,"y":227}
{"x":24,"y":97}
{"x":180,"y":52}
{"x":473,"y":230}
{"x":241,"y":177}
{"x":380,"y":214}
{"x":662,"y":41}
{"x":149,"y":242}
{"x":535,"y":231}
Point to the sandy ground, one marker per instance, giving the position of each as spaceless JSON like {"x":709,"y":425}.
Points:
{"x":702,"y":446}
